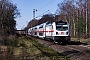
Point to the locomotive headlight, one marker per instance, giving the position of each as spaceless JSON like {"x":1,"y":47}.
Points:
{"x":66,"y":33}
{"x":56,"y":33}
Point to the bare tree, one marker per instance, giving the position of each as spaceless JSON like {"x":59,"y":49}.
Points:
{"x":8,"y":13}
{"x":76,"y":12}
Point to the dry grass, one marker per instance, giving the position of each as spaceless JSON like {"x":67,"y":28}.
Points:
{"x":82,"y":40}
{"x":28,"y":49}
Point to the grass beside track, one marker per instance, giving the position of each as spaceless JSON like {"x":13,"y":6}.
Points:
{"x":82,"y":40}
{"x":28,"y":49}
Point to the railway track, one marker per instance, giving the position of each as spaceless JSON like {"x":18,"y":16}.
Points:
{"x":75,"y":50}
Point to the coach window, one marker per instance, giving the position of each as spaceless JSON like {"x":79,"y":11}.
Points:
{"x":35,"y":31}
{"x":52,"y":26}
{"x":41,"y":32}
{"x":35,"y":28}
{"x":47,"y":23}
{"x":41,"y":27}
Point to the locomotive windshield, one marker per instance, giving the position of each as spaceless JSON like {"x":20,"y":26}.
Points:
{"x":61,"y":26}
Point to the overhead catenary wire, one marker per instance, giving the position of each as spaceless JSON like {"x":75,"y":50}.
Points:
{"x":44,"y":7}
{"x":42,"y":13}
{"x":46,"y":4}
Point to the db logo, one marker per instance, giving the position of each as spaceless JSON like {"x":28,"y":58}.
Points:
{"x":62,"y":32}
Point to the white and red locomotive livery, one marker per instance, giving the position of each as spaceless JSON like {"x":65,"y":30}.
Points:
{"x":57,"y":31}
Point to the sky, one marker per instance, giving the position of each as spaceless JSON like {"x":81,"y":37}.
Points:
{"x":26,"y":9}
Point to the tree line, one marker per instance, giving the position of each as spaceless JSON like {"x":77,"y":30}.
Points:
{"x":8,"y":13}
{"x":76,"y":12}
{"x":45,"y":18}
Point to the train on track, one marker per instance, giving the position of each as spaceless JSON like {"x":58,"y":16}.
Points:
{"x":59,"y":31}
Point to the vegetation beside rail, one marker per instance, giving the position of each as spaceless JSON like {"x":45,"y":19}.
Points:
{"x":24,"y":48}
{"x":82,"y":40}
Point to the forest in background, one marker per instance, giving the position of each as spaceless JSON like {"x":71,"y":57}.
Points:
{"x":76,"y":12}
